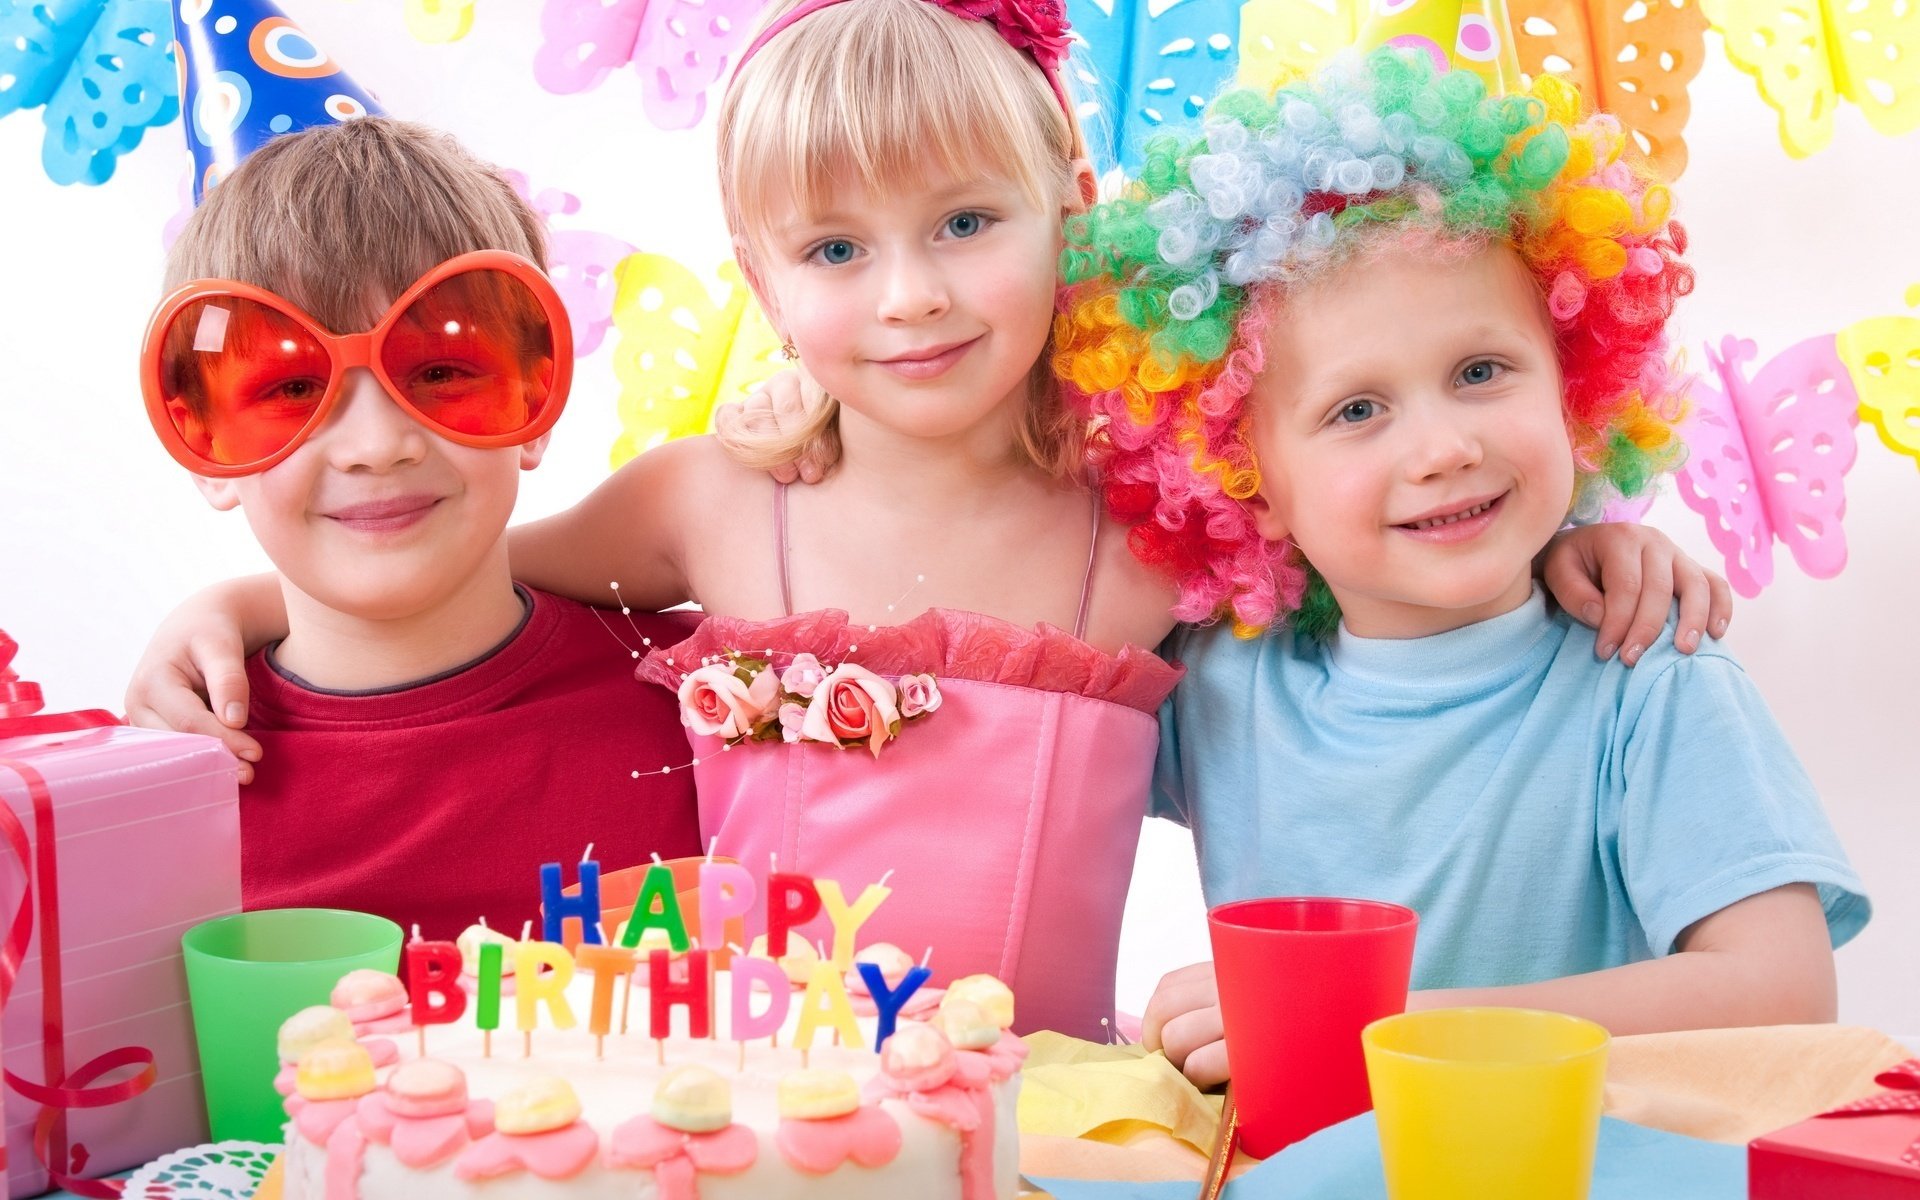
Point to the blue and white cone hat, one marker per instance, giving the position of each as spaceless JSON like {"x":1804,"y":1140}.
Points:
{"x":248,"y":74}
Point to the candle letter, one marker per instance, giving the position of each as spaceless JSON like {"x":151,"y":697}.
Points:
{"x":557,"y":906}
{"x":791,"y":902}
{"x":744,"y":973}
{"x":726,"y":890}
{"x":847,"y":921}
{"x":826,"y":1000}
{"x":433,"y":983}
{"x":890,"y":1002}
{"x":533,"y":985}
{"x":657,"y":887}
{"x":695,"y":994}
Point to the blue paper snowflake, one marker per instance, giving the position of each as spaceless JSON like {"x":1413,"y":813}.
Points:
{"x":103,"y":69}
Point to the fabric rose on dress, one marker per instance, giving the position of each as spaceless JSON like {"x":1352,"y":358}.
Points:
{"x":852,"y":704}
{"x":919,"y":694}
{"x":803,"y":676}
{"x":1037,"y":26}
{"x":714,"y":701}
{"x":793,"y":721}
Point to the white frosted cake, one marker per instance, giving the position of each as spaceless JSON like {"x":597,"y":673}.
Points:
{"x":929,"y":1116}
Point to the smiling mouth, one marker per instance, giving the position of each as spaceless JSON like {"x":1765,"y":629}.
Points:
{"x":1451,"y":518}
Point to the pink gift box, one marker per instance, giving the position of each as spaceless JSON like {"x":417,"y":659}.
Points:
{"x":145,"y":830}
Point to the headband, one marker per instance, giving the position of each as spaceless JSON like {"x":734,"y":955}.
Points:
{"x":1037,"y":26}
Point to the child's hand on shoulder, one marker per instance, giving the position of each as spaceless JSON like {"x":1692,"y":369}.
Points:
{"x":1622,"y":580}
{"x":1183,"y":1021}
{"x":195,"y":667}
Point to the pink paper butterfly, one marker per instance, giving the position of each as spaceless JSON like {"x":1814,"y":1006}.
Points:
{"x":1765,"y":456}
{"x":580,"y":263}
{"x":680,"y":48}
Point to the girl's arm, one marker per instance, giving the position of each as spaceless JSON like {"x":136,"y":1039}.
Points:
{"x":1622,"y":580}
{"x":1765,"y":960}
{"x":195,"y":666}
{"x":628,"y":531}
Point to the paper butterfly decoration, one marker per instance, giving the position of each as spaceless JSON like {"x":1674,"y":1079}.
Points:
{"x":1807,"y":55}
{"x":1765,"y":457}
{"x":103,"y":69}
{"x":1141,"y":64}
{"x":1632,"y":60}
{"x":1884,"y":356}
{"x":680,"y":353}
{"x":580,"y":263}
{"x":439,"y":20}
{"x":679,"y":48}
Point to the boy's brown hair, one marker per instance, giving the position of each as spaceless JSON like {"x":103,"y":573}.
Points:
{"x":341,"y":219}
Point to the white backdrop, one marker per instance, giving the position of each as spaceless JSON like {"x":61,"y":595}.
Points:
{"x":100,"y":533}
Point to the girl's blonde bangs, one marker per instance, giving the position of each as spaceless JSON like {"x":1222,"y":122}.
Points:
{"x":882,"y":95}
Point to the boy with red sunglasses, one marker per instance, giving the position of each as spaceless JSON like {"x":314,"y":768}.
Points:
{"x":362,"y":354}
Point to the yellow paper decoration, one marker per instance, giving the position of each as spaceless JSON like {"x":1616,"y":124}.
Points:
{"x":439,"y":20}
{"x":1632,"y":60}
{"x":679,"y":353}
{"x":1281,"y":40}
{"x":1468,"y":35}
{"x":1807,"y":55}
{"x":1883,"y":356}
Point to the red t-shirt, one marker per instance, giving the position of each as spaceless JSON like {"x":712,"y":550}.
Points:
{"x":436,"y":802}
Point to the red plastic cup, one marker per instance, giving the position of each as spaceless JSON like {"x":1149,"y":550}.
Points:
{"x":1299,"y":978}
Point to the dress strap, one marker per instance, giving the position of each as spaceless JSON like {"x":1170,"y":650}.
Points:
{"x":1086,"y":583}
{"x":780,"y":547}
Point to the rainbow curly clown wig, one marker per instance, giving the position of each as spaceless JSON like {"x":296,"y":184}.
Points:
{"x":1170,"y":287}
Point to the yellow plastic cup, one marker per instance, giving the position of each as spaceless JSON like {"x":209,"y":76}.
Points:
{"x":1486,"y":1103}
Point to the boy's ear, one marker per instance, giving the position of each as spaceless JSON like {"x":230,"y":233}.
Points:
{"x":532,"y":452}
{"x":1267,"y":518}
{"x":221,"y":493}
{"x":744,"y":258}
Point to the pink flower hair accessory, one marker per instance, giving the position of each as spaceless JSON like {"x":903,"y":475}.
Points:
{"x":1038,"y":27}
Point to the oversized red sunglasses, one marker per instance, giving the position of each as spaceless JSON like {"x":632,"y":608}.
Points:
{"x":479,"y":350}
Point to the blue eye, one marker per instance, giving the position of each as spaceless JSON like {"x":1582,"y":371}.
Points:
{"x":966,"y":224}
{"x":1483,"y":371}
{"x":1353,"y":412}
{"x":835,"y":253}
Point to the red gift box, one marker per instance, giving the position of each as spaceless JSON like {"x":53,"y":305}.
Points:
{"x":113,"y":841}
{"x":1869,"y":1150}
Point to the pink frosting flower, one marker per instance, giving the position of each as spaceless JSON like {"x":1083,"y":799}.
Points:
{"x":713,"y":701}
{"x":918,"y":694}
{"x":793,"y":720}
{"x":803,"y":676}
{"x":852,"y":704}
{"x":1037,"y":26}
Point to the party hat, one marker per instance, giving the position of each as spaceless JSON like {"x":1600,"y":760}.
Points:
{"x":248,"y":74}
{"x":1474,"y":35}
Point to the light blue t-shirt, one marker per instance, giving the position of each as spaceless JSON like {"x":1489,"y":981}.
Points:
{"x":1544,"y":812}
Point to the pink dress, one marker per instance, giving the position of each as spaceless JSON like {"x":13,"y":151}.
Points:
{"x":1009,"y":817}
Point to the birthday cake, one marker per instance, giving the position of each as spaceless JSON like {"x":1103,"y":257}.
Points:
{"x":651,"y":1067}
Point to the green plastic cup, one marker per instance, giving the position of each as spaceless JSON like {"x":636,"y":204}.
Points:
{"x":249,"y":972}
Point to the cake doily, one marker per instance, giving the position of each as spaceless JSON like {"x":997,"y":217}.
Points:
{"x":221,"y":1171}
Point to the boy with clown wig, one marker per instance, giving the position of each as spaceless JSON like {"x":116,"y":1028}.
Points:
{"x":1354,"y":353}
